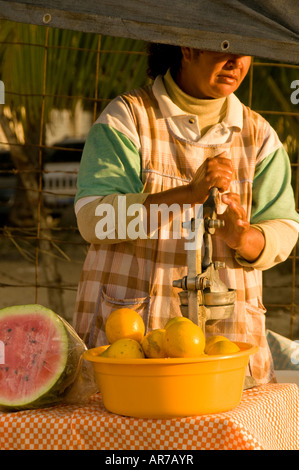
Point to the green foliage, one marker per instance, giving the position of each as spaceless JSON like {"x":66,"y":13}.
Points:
{"x":65,"y":67}
{"x":22,"y":69}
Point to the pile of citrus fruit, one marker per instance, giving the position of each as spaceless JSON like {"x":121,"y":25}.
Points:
{"x":125,"y":331}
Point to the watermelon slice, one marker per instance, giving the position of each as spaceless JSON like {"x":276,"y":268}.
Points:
{"x":40,"y":360}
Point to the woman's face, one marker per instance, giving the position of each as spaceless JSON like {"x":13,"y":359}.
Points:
{"x":207,"y":74}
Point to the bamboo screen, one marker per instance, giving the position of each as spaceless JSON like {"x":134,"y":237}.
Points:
{"x":56,"y":83}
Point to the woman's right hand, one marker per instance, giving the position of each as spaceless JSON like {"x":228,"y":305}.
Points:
{"x":216,"y":171}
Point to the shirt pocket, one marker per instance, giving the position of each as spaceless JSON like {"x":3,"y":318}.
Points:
{"x":106,"y":305}
{"x":260,"y":363}
{"x":255,"y":322}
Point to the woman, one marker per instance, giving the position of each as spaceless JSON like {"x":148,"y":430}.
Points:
{"x":170,"y":143}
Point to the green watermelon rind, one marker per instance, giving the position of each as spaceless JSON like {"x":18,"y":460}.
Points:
{"x":54,"y":391}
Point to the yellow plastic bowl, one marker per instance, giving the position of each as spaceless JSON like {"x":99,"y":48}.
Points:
{"x":171,"y":387}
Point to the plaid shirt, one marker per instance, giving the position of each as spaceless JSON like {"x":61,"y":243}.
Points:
{"x":139,"y":274}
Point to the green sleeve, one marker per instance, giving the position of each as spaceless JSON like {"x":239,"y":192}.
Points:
{"x":110,"y":164}
{"x":272,"y":192}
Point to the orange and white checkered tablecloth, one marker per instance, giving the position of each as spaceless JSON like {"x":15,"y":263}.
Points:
{"x":267,"y":418}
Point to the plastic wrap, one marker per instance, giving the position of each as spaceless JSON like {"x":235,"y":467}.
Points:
{"x":41,"y":361}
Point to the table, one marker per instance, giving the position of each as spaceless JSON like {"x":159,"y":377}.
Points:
{"x":266,"y":418}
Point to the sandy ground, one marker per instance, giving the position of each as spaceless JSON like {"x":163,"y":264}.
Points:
{"x":19,"y":272}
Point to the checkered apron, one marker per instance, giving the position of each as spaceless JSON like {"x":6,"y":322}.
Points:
{"x":139,"y":274}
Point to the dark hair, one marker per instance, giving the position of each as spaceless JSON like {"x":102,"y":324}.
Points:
{"x":161,"y":57}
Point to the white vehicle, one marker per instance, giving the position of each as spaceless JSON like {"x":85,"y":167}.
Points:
{"x":60,"y":172}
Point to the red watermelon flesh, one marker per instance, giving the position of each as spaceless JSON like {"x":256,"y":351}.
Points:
{"x":38,"y":364}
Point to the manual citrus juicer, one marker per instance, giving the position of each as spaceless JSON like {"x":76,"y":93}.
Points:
{"x":204,"y":298}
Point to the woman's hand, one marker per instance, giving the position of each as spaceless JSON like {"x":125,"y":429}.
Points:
{"x":216,"y":171}
{"x":237,"y":232}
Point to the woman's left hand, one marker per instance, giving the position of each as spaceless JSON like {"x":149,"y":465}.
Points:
{"x":237,"y":231}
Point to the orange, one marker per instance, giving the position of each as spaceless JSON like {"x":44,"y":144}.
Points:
{"x":124,"y":323}
{"x":153,"y":343}
{"x":125,"y":348}
{"x":212,"y":340}
{"x":184,"y":339}
{"x":223,"y":348}
{"x":175,"y":319}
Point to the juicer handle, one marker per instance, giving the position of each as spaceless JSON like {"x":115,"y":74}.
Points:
{"x":214,"y":194}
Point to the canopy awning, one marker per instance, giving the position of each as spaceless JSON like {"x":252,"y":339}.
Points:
{"x":263,"y":28}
